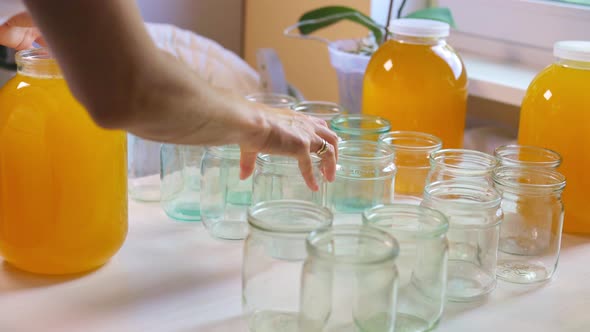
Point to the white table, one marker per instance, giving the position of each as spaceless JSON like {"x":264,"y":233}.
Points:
{"x":171,"y":276}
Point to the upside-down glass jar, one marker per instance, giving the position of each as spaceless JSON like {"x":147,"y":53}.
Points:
{"x":274,"y":252}
{"x":143,"y":169}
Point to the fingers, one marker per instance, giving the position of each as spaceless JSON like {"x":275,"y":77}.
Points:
{"x":247,"y":164}
{"x":306,"y":168}
{"x":328,"y":163}
{"x":19,"y":32}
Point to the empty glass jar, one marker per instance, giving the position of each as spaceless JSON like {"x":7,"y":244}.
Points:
{"x":527,"y":156}
{"x":143,"y":169}
{"x":474,"y":214}
{"x":349,"y":281}
{"x":461,"y":164}
{"x":275,"y":100}
{"x":422,"y":262}
{"x":365,"y":176}
{"x":359,"y":127}
{"x":530,"y":236}
{"x":278,"y":177}
{"x":412,"y":151}
{"x":181,"y":181}
{"x":319,"y":109}
{"x":274,"y":252}
{"x":225,"y":198}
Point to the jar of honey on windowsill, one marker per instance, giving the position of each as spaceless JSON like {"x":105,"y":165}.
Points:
{"x":418,"y":82}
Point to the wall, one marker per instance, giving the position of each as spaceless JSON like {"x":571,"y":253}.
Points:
{"x":220,"y":20}
{"x":306,"y":63}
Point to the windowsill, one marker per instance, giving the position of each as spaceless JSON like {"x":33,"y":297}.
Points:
{"x":497,"y":80}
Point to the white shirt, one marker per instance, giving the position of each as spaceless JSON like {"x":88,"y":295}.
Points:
{"x":221,"y":67}
{"x":8,"y":8}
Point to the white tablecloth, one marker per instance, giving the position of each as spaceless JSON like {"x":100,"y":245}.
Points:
{"x":171,"y":276}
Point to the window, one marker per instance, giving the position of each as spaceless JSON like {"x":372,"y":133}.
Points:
{"x":520,"y":31}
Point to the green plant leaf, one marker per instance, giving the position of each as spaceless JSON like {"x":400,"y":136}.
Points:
{"x":442,"y":14}
{"x":323,"y":17}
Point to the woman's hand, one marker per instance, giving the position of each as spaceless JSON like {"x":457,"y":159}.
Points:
{"x":286,"y":132}
{"x":19,"y":32}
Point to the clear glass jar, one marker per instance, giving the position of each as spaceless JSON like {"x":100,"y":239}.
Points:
{"x":412,"y":152}
{"x":527,"y":156}
{"x":63,"y":193}
{"x":275,"y":100}
{"x":418,"y":81}
{"x":278,"y":177}
{"x":461,"y":164}
{"x":530,"y":236}
{"x":274,"y":252}
{"x":319,"y":109}
{"x":359,"y":127}
{"x":349,"y":281}
{"x":225,"y":198}
{"x":474,"y":214}
{"x":422,"y":261}
{"x":143,"y":169}
{"x":554,"y":115}
{"x":365,"y":176}
{"x":181,"y":181}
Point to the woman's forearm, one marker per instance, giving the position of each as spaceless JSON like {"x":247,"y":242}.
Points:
{"x":125,"y":82}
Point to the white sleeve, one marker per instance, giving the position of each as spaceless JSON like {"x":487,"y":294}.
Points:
{"x":221,"y":67}
{"x":9,"y":8}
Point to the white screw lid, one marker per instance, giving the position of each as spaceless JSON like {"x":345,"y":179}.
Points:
{"x":416,"y":27}
{"x":575,"y":50}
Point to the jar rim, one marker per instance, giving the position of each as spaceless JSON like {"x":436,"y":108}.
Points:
{"x":276,"y":100}
{"x":319,"y":109}
{"x":321,"y":244}
{"x":400,"y":141}
{"x":479,"y":162}
{"x":529,"y":179}
{"x":382,"y":147}
{"x":338,"y":124}
{"x":481,"y":195}
{"x":425,"y":222}
{"x":231,"y":151}
{"x":256,"y":216}
{"x":37,"y":62}
{"x":266,"y":159}
{"x":508,"y":154}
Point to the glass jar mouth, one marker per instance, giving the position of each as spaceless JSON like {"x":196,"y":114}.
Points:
{"x":275,"y":100}
{"x":412,"y":141}
{"x":527,"y":156}
{"x":37,"y":62}
{"x":264,"y":160}
{"x":289,"y":217}
{"x":359,"y":124}
{"x":466,"y":162}
{"x":225,"y":151}
{"x":364,"y":151}
{"x":462,"y":193}
{"x":407,"y":220}
{"x":319,"y":109}
{"x":352,"y":244}
{"x":529,"y":179}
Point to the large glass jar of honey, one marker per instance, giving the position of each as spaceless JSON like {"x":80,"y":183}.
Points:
{"x":418,"y":82}
{"x":555,"y":114}
{"x":63,"y":180}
